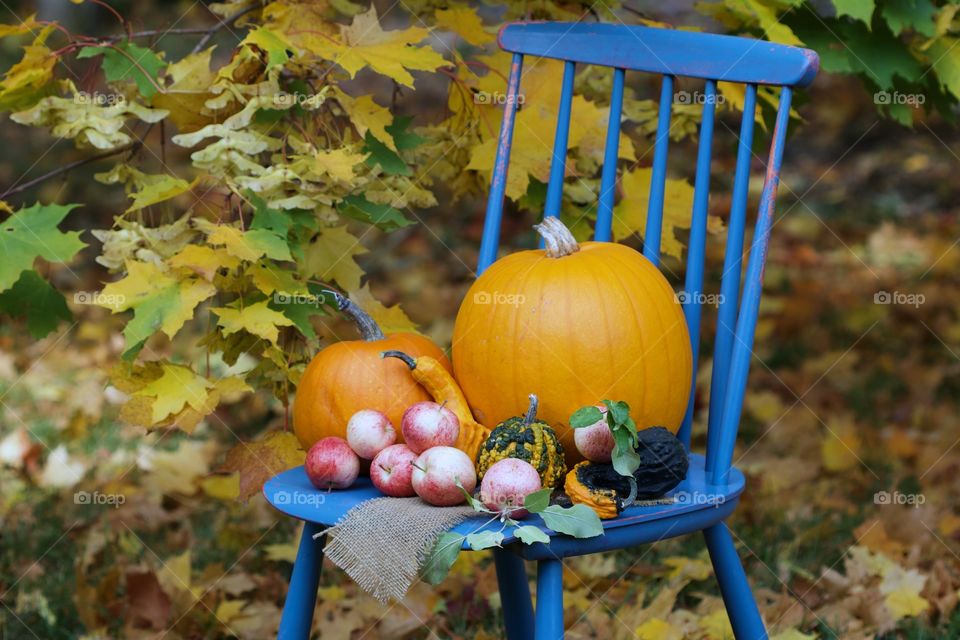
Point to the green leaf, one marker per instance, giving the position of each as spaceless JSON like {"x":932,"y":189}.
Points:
{"x":910,"y":14}
{"x":529,"y":534}
{"x":382,"y":215}
{"x":301,"y":308}
{"x":267,"y":218}
{"x":945,"y":54}
{"x":484,"y":540}
{"x":272,"y":245}
{"x":33,"y":232}
{"x":585,"y":416}
{"x":625,"y":460}
{"x":619,"y":411}
{"x":401,"y":137}
{"x":473,"y":502}
{"x":380,"y":154}
{"x":33,"y":298}
{"x":441,"y":557}
{"x":579,"y":521}
{"x":538,"y":500}
{"x":276,"y":46}
{"x":127,"y":61}
{"x":850,"y":47}
{"x":861,"y":10}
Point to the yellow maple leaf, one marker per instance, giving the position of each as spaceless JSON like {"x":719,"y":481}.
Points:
{"x":630,"y":214}
{"x":176,"y":388}
{"x":367,"y":115}
{"x":688,"y":568}
{"x":901,"y":590}
{"x":716,"y":625}
{"x":186,"y":96}
{"x":246,"y":245}
{"x":157,"y":298}
{"x":338,"y":163}
{"x":658,"y":629}
{"x":391,"y":319}
{"x":840,"y":446}
{"x":465,"y":22}
{"x":535,"y":125}
{"x":204,"y":260}
{"x":365,"y":44}
{"x":270,"y":278}
{"x":258,"y":319}
{"x":330,"y":257}
{"x":222,"y":487}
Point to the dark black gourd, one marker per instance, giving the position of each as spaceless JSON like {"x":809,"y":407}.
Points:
{"x":663,"y":465}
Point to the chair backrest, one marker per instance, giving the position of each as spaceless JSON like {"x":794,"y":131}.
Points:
{"x":671,"y":54}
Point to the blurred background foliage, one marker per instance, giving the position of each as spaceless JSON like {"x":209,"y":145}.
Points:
{"x":225,"y":159}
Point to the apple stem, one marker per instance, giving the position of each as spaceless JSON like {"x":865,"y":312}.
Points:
{"x":416,"y":466}
{"x":383,"y":467}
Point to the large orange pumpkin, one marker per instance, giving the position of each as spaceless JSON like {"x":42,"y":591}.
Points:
{"x":573,"y":324}
{"x":348,"y":376}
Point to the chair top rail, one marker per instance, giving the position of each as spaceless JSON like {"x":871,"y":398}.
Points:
{"x":664,"y":51}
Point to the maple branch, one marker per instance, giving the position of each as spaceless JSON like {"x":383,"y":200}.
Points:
{"x":132,"y":146}
{"x":222,"y":24}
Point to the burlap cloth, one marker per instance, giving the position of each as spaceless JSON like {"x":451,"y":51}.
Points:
{"x":381,"y":543}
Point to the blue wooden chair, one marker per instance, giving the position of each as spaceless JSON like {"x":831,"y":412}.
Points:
{"x":713,"y":487}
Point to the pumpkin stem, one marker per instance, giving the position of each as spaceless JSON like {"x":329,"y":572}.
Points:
{"x":557,"y":238}
{"x":368,"y":327}
{"x":407,"y":360}
{"x":531,"y":416}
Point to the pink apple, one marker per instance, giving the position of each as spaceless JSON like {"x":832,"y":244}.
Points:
{"x":595,"y":443}
{"x":505,"y":485}
{"x":392,"y":471}
{"x":436,"y":472}
{"x":369,"y":432}
{"x":428,"y":424}
{"x":332,"y":464}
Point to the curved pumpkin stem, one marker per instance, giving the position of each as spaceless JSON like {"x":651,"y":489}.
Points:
{"x":557,"y":238}
{"x":531,"y":416}
{"x":368,"y":327}
{"x":407,"y":360}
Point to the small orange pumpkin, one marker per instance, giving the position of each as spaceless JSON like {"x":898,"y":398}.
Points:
{"x":573,"y":324}
{"x":348,"y":376}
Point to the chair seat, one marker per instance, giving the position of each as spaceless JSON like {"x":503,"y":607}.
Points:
{"x":694,"y":504}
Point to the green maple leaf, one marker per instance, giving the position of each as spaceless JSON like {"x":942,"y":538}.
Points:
{"x":382,"y":215}
{"x":127,"y":61}
{"x":33,"y":298}
{"x":32,"y":233}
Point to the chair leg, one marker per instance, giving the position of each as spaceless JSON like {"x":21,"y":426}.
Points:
{"x":737,"y":596}
{"x":297,"y":618}
{"x":549,"y":600}
{"x":514,"y":594}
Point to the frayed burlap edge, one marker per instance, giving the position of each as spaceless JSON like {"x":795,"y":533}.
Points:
{"x":382,"y":543}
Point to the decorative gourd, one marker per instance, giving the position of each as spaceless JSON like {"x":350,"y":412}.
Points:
{"x":348,"y":376}
{"x":574,"y":323}
{"x":529,"y":439}
{"x":438,"y":382}
{"x":663,"y":465}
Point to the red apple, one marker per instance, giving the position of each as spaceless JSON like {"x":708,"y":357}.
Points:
{"x":428,"y":424}
{"x":392,"y":471}
{"x":332,"y":464}
{"x":505,"y":485}
{"x":595,"y":443}
{"x":369,"y":432}
{"x":436,"y":472}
